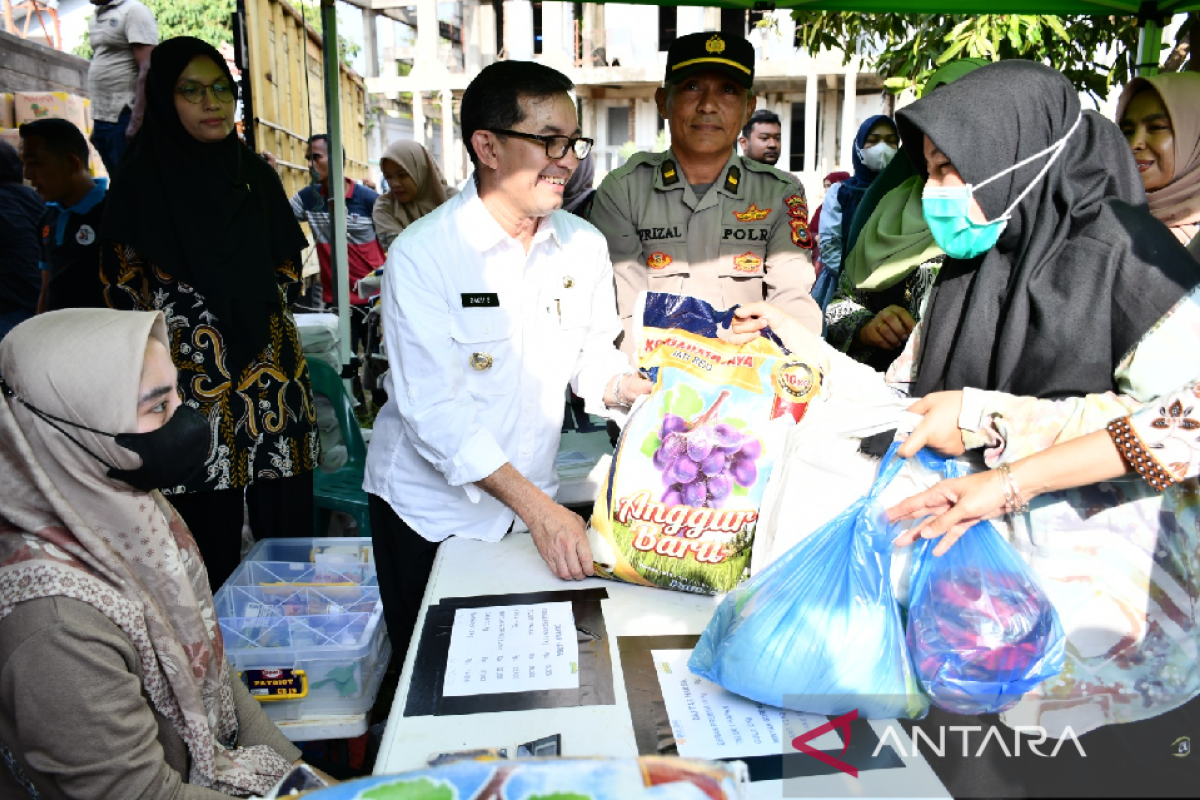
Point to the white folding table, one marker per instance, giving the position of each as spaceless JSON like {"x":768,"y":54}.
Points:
{"x":465,"y":568}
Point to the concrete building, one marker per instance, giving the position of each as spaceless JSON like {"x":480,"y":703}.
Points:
{"x":616,"y":55}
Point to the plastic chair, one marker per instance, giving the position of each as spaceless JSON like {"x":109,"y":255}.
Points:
{"x":340,"y":490}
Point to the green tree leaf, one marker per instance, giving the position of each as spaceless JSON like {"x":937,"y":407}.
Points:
{"x":1096,"y":53}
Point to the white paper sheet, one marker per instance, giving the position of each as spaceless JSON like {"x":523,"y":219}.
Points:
{"x":710,"y":722}
{"x":500,"y":649}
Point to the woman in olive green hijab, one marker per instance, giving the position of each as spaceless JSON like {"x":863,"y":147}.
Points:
{"x":891,"y":259}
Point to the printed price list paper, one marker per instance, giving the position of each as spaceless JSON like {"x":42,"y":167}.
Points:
{"x":710,"y":722}
{"x":499,"y":649}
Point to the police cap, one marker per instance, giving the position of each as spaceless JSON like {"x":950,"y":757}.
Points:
{"x":711,"y":50}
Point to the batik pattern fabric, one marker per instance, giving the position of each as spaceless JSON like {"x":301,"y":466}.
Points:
{"x":1161,"y":442}
{"x":262,"y":419}
{"x":1119,"y":559}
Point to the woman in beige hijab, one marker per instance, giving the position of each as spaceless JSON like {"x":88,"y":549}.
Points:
{"x":415,"y":187}
{"x":113,"y":677}
{"x":1160,"y":116}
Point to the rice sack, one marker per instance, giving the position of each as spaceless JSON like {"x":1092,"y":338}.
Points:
{"x":680,"y":506}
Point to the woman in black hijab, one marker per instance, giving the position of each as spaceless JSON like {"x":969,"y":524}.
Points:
{"x":1077,"y":308}
{"x":199,"y":227}
{"x":1079,"y":273}
{"x":1062,"y":306}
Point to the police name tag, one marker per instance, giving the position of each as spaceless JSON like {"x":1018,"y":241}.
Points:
{"x":483,"y":300}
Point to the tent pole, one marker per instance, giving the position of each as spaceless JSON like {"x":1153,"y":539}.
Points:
{"x":337,"y":184}
{"x":1149,"y":48}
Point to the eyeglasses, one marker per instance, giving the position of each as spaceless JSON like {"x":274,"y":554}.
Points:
{"x":556,"y":146}
{"x":194,"y":92}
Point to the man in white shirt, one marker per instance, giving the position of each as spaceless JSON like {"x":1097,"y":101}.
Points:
{"x":492,"y":304}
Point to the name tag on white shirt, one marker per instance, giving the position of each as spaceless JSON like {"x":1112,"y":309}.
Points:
{"x":481,"y":300}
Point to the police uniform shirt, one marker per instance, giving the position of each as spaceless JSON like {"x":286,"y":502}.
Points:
{"x":70,"y":251}
{"x":484,"y":337}
{"x":745,"y":240}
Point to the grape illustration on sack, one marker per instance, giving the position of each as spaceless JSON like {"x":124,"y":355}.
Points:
{"x":701,"y":460}
{"x":680,"y":506}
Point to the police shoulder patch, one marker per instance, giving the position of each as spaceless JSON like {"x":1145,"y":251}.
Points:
{"x":796,"y":206}
{"x":670,"y":174}
{"x":800,"y":235}
{"x":732,"y":178}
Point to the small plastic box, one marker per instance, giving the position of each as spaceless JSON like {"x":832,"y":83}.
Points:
{"x":311,"y":550}
{"x":324,"y":618}
{"x":296,"y":573}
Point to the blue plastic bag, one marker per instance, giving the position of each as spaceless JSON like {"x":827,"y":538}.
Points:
{"x":819,"y":630}
{"x":981,"y":630}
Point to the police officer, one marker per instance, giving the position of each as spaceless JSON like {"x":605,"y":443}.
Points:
{"x":699,"y":219}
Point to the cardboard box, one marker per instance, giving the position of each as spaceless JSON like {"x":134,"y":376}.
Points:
{"x":11,"y":136}
{"x":96,"y":163}
{"x":6,"y":110}
{"x":30,"y":106}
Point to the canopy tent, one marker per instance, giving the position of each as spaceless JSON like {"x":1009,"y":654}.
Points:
{"x":1152,"y":16}
{"x":1164,"y":8}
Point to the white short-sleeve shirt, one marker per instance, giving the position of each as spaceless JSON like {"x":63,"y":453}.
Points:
{"x":112,"y":78}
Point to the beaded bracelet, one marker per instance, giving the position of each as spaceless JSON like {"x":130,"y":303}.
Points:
{"x":1012,"y":493}
{"x":618,"y":395}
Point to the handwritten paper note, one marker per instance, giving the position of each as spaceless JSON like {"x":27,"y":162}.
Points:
{"x":710,"y":722}
{"x":498,"y":649}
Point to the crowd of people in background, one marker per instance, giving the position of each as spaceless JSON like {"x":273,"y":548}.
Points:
{"x":1027,"y":271}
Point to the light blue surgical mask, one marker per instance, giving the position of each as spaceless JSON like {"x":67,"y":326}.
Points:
{"x":947,"y":208}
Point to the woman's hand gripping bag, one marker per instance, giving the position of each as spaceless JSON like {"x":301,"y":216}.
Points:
{"x":819,"y":630}
{"x":981,"y":631}
{"x":680,"y":506}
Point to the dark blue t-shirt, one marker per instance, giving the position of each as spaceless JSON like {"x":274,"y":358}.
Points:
{"x":70,"y":251}
{"x":20,"y":279}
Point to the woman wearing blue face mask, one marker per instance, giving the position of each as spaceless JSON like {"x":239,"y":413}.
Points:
{"x":1056,"y":269}
{"x":874,"y":147}
{"x":1063,"y":305}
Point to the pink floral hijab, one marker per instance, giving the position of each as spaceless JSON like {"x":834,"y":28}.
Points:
{"x":68,"y":530}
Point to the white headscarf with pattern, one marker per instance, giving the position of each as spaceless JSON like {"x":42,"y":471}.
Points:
{"x":68,"y":530}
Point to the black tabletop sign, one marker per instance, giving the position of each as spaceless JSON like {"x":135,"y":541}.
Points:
{"x":595,"y":663}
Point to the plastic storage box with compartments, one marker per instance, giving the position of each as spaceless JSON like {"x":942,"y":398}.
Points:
{"x":303,"y":624}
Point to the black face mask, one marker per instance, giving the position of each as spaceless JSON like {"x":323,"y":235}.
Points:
{"x":171,"y":456}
